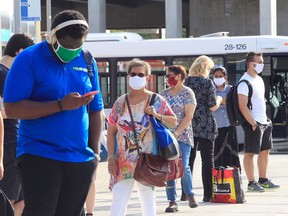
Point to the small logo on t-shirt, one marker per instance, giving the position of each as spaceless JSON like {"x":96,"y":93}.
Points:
{"x":80,"y":69}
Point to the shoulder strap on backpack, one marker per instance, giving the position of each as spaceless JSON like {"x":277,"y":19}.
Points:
{"x":250,"y":92}
{"x":88,"y":59}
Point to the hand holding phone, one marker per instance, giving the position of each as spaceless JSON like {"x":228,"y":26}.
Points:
{"x":90,"y":93}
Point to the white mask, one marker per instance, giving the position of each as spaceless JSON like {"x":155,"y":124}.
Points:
{"x":258,"y":68}
{"x":219,"y":81}
{"x":137,"y":82}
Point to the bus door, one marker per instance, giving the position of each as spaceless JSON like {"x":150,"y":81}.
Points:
{"x":278,"y":95}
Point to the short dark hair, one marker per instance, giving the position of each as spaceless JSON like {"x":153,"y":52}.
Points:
{"x":16,"y":42}
{"x":222,"y":69}
{"x":250,"y":56}
{"x":75,"y":31}
{"x":178,"y":69}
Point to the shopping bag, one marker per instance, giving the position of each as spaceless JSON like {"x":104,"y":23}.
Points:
{"x":168,"y":146}
{"x":176,"y":169}
{"x":227,"y":185}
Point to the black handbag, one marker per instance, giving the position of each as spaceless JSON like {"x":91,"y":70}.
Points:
{"x":150,"y":170}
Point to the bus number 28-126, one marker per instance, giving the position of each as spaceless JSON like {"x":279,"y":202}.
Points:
{"x":235,"y":46}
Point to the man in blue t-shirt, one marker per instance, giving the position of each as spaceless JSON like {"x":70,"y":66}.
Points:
{"x":10,"y":183}
{"x":60,"y":124}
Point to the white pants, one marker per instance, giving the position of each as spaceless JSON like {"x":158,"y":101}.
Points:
{"x":122,"y":193}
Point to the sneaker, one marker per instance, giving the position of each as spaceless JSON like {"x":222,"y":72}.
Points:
{"x":255,"y":187}
{"x":173,"y":207}
{"x":268,"y":184}
{"x":192,"y":201}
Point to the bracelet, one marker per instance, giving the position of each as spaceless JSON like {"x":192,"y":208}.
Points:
{"x":60,"y":104}
{"x":97,"y":156}
{"x":110,"y":156}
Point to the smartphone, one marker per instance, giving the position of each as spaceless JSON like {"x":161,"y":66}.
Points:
{"x":90,"y":93}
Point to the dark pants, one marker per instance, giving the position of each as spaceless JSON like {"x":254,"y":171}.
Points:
{"x":206,"y":148}
{"x":226,"y":148}
{"x":54,"y":188}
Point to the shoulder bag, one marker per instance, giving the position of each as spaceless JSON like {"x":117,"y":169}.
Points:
{"x":167,"y":143}
{"x":150,"y":170}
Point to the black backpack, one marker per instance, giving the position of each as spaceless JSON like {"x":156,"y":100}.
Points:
{"x":234,"y":114}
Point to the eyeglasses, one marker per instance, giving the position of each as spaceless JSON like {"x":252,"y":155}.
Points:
{"x":169,"y":75}
{"x":137,"y":74}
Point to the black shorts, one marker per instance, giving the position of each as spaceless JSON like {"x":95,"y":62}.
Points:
{"x":258,"y":140}
{"x":10,"y":183}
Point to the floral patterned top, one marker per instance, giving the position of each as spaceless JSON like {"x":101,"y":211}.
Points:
{"x":126,"y":149}
{"x":204,"y":123}
{"x":177,"y":103}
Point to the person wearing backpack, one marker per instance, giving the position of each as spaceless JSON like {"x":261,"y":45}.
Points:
{"x":257,"y":128}
{"x":50,"y":89}
{"x":226,"y":146}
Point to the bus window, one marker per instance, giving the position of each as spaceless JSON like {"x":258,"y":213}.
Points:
{"x":103,"y":66}
{"x":104,"y":79}
{"x":188,"y":61}
{"x":157,"y":77}
{"x":236,"y":67}
{"x":185,"y":61}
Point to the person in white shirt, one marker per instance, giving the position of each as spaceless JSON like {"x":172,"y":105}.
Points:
{"x":257,"y":128}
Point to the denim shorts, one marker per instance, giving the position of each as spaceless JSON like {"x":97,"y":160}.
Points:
{"x":258,"y":140}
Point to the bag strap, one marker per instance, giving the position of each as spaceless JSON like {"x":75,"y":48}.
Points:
{"x":88,"y":59}
{"x":152,"y":100}
{"x":250,"y":92}
{"x":133,"y":124}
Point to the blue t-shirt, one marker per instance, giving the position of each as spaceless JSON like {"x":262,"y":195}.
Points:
{"x":37,"y":75}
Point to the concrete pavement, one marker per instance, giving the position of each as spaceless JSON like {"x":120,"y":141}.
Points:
{"x":273,"y":202}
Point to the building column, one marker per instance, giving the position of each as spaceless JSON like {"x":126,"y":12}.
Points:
{"x":97,"y":16}
{"x":48,"y":15}
{"x":17,"y":17}
{"x":268,"y":17}
{"x":173,"y":18}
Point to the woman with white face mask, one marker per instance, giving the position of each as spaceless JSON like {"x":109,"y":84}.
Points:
{"x":123,"y":156}
{"x":226,"y":146}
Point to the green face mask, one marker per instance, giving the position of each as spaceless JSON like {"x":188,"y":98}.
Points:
{"x":66,"y":55}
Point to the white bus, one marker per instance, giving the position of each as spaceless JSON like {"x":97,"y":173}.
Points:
{"x":113,"y":51}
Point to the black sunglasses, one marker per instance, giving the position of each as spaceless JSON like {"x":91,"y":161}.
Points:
{"x":137,"y":74}
{"x":170,"y":75}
